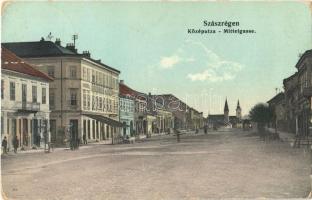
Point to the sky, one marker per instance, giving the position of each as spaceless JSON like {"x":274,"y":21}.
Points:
{"x":150,"y":44}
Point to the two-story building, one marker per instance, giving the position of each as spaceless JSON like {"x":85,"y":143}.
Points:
{"x":24,"y":102}
{"x":304,"y":67}
{"x":291,"y":102}
{"x":126,"y":111}
{"x":84,"y":93}
{"x":144,"y":117}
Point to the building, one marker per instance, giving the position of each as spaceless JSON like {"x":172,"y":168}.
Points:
{"x":225,"y":120}
{"x":164,"y":118}
{"x":277,"y":104}
{"x":291,"y":88}
{"x":144,"y":117}
{"x":84,"y":94}
{"x":197,"y":119}
{"x":126,"y":111}
{"x":24,"y":102}
{"x":184,"y":116}
{"x":180,"y":110}
{"x":303,"y":112}
{"x":296,"y":99}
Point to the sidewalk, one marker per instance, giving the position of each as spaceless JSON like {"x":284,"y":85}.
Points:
{"x":284,"y":136}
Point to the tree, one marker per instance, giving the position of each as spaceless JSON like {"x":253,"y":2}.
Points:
{"x":262,"y":114}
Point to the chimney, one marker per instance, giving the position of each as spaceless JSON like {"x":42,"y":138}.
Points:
{"x":42,"y":39}
{"x":99,"y":60}
{"x":122,"y":81}
{"x":58,"y":41}
{"x":86,"y":53}
{"x":71,"y":46}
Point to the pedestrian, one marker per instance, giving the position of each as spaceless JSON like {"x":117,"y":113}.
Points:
{"x":84,"y":137}
{"x":177,"y":132}
{"x":4,"y":145}
{"x":15,"y":144}
{"x":205,"y":129}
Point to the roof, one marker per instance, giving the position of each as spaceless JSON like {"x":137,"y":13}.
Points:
{"x":277,"y":98}
{"x":226,"y":107}
{"x":104,"y":119}
{"x":37,"y":49}
{"x":125,"y":90}
{"x":290,"y":77}
{"x":215,"y":116}
{"x":46,"y":49}
{"x":304,"y":56}
{"x":10,"y":61}
{"x":238,"y":106}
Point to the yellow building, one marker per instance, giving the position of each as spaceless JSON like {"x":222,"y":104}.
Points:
{"x":83,"y":95}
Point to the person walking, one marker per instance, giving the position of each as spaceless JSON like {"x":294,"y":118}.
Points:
{"x":4,"y":145}
{"x":205,"y":129}
{"x":15,"y":144}
{"x":84,"y":137}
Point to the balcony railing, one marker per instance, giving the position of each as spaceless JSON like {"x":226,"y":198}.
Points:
{"x":28,"y":106}
{"x":307,"y":92}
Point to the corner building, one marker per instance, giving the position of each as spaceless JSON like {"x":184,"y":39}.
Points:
{"x":84,"y":93}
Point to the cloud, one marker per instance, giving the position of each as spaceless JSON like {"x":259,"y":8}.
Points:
{"x":216,"y":68}
{"x":169,"y":62}
{"x":210,"y":66}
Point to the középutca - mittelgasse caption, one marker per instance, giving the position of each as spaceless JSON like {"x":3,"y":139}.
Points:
{"x":216,"y":24}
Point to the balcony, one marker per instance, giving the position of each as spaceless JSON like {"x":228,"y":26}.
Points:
{"x":31,"y":107}
{"x":307,"y":92}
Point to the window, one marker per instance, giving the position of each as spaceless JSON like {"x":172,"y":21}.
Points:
{"x":93,"y":76}
{"x":88,"y":100}
{"x":73,"y":97}
{"x":51,"y":97}
{"x":97,"y":77}
{"x":84,"y":73}
{"x":12,"y":91}
{"x":73,"y":72}
{"x":104,"y":104}
{"x":51,"y":71}
{"x":93,"y":102}
{"x":100,"y":103}
{"x":2,"y":89}
{"x":44,"y":96}
{"x":96,"y":102}
{"x":34,"y":94}
{"x":84,"y":100}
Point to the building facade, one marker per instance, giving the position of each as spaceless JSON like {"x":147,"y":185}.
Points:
{"x":84,"y":96}
{"x":126,"y":113}
{"x":291,"y":89}
{"x":304,"y":67}
{"x":24,"y":102}
{"x":278,"y":107}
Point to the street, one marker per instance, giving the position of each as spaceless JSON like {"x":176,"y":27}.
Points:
{"x":229,"y":164}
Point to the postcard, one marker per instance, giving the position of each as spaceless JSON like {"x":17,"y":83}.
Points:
{"x":156,"y":100}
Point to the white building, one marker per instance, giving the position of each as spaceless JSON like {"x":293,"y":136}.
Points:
{"x":24,"y":102}
{"x":84,"y":94}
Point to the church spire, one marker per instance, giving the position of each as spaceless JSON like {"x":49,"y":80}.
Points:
{"x":238,"y":106}
{"x":226,"y":107}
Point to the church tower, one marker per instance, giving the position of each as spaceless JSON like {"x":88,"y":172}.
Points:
{"x":226,"y":112}
{"x":238,"y":111}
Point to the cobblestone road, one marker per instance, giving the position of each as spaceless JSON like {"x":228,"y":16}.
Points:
{"x":218,"y":165}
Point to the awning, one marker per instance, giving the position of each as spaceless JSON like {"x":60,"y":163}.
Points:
{"x":104,"y":119}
